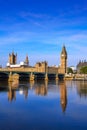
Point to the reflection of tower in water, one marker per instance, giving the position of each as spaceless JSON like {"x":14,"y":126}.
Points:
{"x":25,"y":92}
{"x":31,"y":84}
{"x":63,"y":95}
{"x":11,"y":94}
{"x":41,"y":90}
{"x":12,"y":90}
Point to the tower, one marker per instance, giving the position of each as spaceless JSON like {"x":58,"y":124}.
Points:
{"x":63,"y":96}
{"x":63,"y":66}
{"x":12,"y":58}
{"x":27,"y":60}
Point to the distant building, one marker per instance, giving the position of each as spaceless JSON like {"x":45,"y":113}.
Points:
{"x":12,"y":61}
{"x":80,"y":65}
{"x":27,"y":60}
{"x":12,"y":58}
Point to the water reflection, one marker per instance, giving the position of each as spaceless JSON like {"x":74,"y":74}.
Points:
{"x":82,"y":88}
{"x":11,"y":94}
{"x":25,"y":92}
{"x":41,"y":89}
{"x":12,"y":86}
{"x":32,"y":84}
{"x":63,"y":95}
{"x":47,"y":101}
{"x":3,"y":85}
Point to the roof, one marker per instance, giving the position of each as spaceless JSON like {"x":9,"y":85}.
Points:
{"x":81,"y":64}
{"x":64,"y":51}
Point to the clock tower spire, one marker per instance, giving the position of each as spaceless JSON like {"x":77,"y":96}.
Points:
{"x":63,"y":65}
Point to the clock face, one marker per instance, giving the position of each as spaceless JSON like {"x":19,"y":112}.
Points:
{"x":62,"y":55}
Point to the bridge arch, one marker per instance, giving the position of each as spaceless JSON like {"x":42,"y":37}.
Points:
{"x":4,"y":75}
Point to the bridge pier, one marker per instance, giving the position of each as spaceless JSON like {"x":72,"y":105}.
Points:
{"x":46,"y":77}
{"x":41,"y":76}
{"x":32,"y":77}
{"x":57,"y":77}
{"x":10,"y":77}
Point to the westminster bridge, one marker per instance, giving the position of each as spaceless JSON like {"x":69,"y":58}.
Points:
{"x":30,"y":73}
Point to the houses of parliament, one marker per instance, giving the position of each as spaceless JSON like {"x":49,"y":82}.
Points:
{"x":41,"y":67}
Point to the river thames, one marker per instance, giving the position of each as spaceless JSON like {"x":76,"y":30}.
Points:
{"x":43,"y":105}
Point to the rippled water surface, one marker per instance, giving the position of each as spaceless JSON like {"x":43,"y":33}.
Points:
{"x":43,"y":105}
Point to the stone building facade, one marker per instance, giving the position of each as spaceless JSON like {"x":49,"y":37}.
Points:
{"x":12,"y":58}
{"x":40,"y":66}
{"x":80,"y":65}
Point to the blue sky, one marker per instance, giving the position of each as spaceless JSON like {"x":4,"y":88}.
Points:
{"x":39,"y":28}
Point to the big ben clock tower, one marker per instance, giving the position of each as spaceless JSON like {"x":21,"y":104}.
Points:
{"x":63,"y":60}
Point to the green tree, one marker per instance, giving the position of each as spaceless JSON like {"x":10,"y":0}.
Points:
{"x":83,"y":70}
{"x":69,"y":70}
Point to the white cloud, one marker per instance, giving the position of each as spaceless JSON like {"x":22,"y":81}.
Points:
{"x":17,"y":37}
